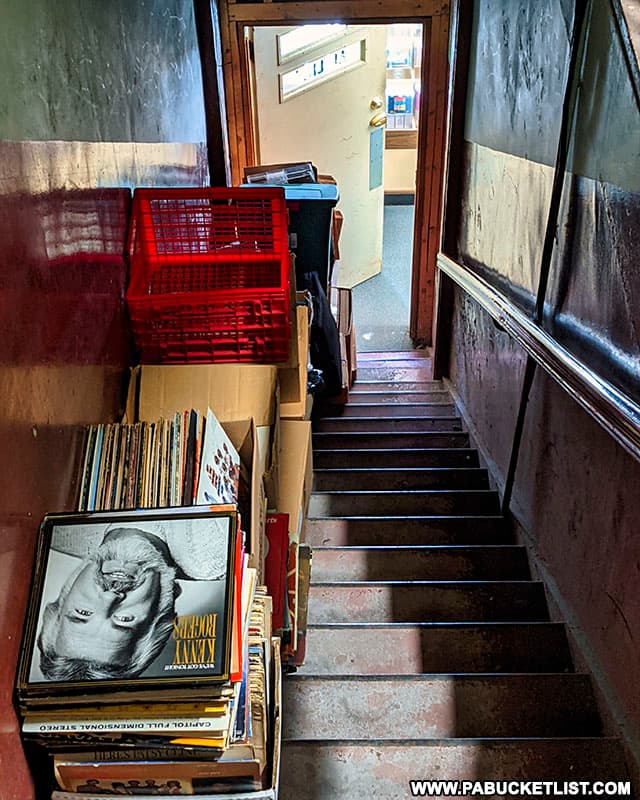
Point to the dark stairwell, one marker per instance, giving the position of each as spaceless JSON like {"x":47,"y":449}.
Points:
{"x":430,"y":651}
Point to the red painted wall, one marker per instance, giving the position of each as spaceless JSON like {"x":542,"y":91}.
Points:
{"x":95,"y":98}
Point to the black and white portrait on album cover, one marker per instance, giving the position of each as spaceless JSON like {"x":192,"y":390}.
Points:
{"x":131,"y":596}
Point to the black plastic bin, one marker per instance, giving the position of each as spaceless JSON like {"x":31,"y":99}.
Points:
{"x":310,"y":207}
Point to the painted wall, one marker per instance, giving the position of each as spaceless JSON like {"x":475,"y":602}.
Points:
{"x":575,"y":496}
{"x":94,"y":98}
{"x":400,"y":171}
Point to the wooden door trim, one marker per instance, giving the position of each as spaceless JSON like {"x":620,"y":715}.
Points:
{"x":295,"y":13}
{"x":241,"y":121}
{"x":427,"y":226}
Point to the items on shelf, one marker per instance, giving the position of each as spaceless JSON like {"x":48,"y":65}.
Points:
{"x":404,"y":54}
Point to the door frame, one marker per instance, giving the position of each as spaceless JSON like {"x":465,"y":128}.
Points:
{"x":432,"y":119}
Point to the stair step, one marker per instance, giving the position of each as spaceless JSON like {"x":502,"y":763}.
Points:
{"x":387,"y":424}
{"x":365,"y":649}
{"x":385,"y":440}
{"x":408,"y":458}
{"x":403,"y":396}
{"x":498,"y":563}
{"x":428,"y":601}
{"x":438,"y":706}
{"x":361,"y":770}
{"x":402,"y":410}
{"x":389,"y":373}
{"x":327,"y":480}
{"x":362,"y":385}
{"x":405,"y":503}
{"x":419,"y":530}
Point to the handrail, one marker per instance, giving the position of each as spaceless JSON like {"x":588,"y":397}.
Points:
{"x":617,"y":413}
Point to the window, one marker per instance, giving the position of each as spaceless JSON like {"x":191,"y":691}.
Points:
{"x":322,"y":68}
{"x":306,"y":37}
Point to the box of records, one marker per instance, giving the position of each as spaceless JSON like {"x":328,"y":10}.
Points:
{"x":147,"y":665}
{"x":188,"y":457}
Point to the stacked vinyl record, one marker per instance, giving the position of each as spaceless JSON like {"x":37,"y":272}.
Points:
{"x":146,"y":657}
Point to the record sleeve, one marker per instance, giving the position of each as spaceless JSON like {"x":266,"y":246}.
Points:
{"x":129,"y":600}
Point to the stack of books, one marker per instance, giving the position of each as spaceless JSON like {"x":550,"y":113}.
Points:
{"x":146,"y":660}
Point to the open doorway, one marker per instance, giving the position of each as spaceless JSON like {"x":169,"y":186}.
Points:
{"x":242,"y":127}
{"x":347,"y":98}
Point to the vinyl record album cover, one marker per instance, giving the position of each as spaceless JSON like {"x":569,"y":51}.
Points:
{"x":128,"y":599}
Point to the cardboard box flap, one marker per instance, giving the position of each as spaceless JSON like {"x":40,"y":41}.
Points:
{"x":244,"y":438}
{"x":231,"y":391}
{"x":296,"y":473}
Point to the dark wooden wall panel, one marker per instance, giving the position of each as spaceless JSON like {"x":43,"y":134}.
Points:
{"x":575,"y":493}
{"x":514,"y":106}
{"x":575,"y":498}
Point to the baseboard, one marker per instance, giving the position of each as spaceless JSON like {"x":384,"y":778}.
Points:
{"x":399,"y":198}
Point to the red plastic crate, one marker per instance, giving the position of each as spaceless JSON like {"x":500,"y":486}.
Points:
{"x":233,"y":328}
{"x":209,"y":274}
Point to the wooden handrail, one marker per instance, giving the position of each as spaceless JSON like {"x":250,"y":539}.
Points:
{"x":617,"y":413}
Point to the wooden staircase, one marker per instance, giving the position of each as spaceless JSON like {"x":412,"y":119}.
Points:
{"x":430,"y":653}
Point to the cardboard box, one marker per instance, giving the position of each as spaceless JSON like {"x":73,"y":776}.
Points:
{"x":296,"y":473}
{"x":231,"y":391}
{"x":304,"y":581}
{"x":293,"y":380}
{"x":242,"y":397}
{"x":244,"y":438}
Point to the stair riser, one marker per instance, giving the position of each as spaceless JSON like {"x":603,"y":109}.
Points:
{"x":362,"y":771}
{"x":368,"y":385}
{"x":390,"y":396}
{"x":464,"y":707}
{"x":405,"y":649}
{"x":398,"y":374}
{"x":355,"y":532}
{"x":356,"y":409}
{"x":397,"y":504}
{"x":479,"y":602}
{"x":397,"y":480}
{"x":473,"y":564}
{"x":401,"y":459}
{"x":363,"y":425}
{"x":387,"y":441}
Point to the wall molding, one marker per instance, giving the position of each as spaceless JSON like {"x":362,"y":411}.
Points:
{"x":617,"y":413}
